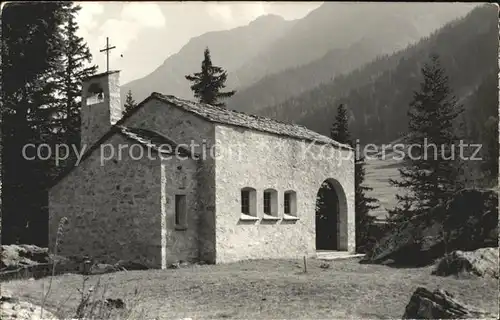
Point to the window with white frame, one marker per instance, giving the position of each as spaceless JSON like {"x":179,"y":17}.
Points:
{"x":270,"y":202}
{"x":248,"y":199}
{"x":290,"y":203}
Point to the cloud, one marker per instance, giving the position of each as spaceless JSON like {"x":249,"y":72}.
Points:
{"x":220,"y":11}
{"x":146,"y":14}
{"x":122,"y":28}
{"x":133,"y":19}
{"x":237,"y":13}
{"x":86,"y":16}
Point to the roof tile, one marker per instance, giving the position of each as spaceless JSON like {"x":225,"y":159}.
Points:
{"x":230,"y":117}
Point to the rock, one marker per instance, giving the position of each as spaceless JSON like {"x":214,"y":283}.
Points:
{"x":130,"y":265}
{"x":102,"y":268}
{"x":115,"y":303}
{"x":439,"y":304}
{"x":15,"y":256}
{"x":13,"y":308}
{"x":470,"y":219}
{"x":98,"y":309}
{"x":481,"y":262}
{"x":407,"y":244}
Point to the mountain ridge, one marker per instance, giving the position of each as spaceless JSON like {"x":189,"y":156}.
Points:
{"x":377,"y":95}
{"x":263,"y":47}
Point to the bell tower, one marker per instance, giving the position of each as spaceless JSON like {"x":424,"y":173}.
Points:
{"x":101,"y":106}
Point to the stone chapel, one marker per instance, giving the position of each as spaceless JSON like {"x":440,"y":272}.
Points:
{"x":174,"y":180}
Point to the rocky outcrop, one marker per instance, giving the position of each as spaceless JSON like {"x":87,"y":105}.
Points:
{"x":469,"y":221}
{"x":30,"y":261}
{"x":98,"y":309}
{"x":13,"y":308}
{"x":15,"y":256}
{"x":481,"y":262}
{"x":440,"y":304}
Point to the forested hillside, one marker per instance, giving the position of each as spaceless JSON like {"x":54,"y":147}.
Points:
{"x":319,"y":55}
{"x":377,"y":95}
{"x":335,"y":38}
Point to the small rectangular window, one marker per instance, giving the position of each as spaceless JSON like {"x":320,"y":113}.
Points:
{"x":267,"y":202}
{"x":290,"y":203}
{"x":245,"y":201}
{"x":287,"y":203}
{"x":180,"y":211}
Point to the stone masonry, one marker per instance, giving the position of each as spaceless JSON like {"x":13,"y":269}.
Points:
{"x":272,"y":162}
{"x":124,"y":208}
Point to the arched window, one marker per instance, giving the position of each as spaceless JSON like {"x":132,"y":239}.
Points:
{"x":248,"y":201}
{"x":290,"y":203}
{"x":270,"y":202}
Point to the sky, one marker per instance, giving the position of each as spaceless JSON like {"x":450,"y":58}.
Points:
{"x":146,"y":33}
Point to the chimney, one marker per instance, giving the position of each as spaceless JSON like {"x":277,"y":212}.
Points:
{"x":101,"y":106}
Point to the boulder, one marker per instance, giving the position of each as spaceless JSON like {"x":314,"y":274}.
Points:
{"x":440,"y":304}
{"x":130,"y":265}
{"x":470,"y":220}
{"x":99,"y":309}
{"x":13,"y":308}
{"x":102,"y":268}
{"x":481,"y":262}
{"x":15,"y":256}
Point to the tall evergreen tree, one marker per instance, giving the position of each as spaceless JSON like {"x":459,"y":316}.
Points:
{"x":129,"y":103}
{"x":208,"y":83}
{"x":39,"y":105}
{"x":429,"y":176}
{"x":77,"y":66}
{"x":340,"y":127}
{"x":31,"y":45}
{"x":363,"y":203}
{"x":65,"y":119}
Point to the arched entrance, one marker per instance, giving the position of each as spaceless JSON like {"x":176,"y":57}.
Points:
{"x":331,"y":217}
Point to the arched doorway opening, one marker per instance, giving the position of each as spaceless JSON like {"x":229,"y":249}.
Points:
{"x":331,"y":217}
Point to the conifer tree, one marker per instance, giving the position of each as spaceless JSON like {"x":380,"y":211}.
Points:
{"x":43,"y":60}
{"x":430,"y":175}
{"x":208,"y":83}
{"x":363,"y":203}
{"x":129,"y":103}
{"x":340,"y":128}
{"x":31,"y":59}
{"x":76,"y":59}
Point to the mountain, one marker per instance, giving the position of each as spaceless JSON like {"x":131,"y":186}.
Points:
{"x":277,"y":88}
{"x":268,"y":45}
{"x":334,"y":39}
{"x":378,"y":94}
{"x":229,"y":49}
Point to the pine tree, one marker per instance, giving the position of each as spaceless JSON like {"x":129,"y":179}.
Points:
{"x":340,"y":128}
{"x":31,"y":42}
{"x":363,"y":203}
{"x":129,"y":103}
{"x":208,"y":83}
{"x":429,"y":176}
{"x":45,"y":62}
{"x":76,"y":61}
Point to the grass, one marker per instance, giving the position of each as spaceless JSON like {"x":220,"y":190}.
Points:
{"x":378,"y":173}
{"x":265,"y":289}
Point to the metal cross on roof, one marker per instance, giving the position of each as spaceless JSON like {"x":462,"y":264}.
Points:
{"x":107,"y":53}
